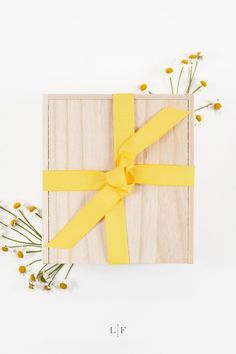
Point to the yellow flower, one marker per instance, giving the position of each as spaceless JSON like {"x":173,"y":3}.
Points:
{"x":16,"y":205}
{"x":42,"y":279}
{"x":203,"y":83}
{"x":32,"y":278}
{"x":22,"y":269}
{"x":193,"y":56}
{"x":143,"y":87}
{"x":31,"y":286}
{"x":5,"y":248}
{"x":199,"y":55}
{"x":46,"y":287}
{"x":217,"y":106}
{"x":20,"y":254}
{"x":184,"y":61}
{"x":169,"y":70}
{"x":63,"y":285}
{"x":198,"y":118}
{"x":13,"y":222}
{"x":31,"y":208}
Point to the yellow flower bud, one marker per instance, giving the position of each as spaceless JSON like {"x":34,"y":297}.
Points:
{"x":5,"y":248}
{"x":63,"y":286}
{"x":16,"y":205}
{"x":203,"y":83}
{"x":143,"y":87}
{"x":169,"y":70}
{"x":42,"y":279}
{"x":198,"y":118}
{"x":31,"y":286}
{"x":31,"y":208}
{"x":217,"y":106}
{"x":46,"y":287}
{"x":193,"y":56}
{"x":184,"y":61}
{"x":32,"y":278}
{"x":22,"y":269}
{"x":20,"y":254}
{"x":13,"y":222}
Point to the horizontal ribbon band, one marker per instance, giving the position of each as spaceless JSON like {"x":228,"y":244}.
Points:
{"x":114,"y":185}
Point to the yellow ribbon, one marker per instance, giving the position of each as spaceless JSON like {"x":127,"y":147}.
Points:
{"x":116,"y":184}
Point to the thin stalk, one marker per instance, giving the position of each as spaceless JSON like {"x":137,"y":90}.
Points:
{"x":192,"y":77}
{"x":33,"y":251}
{"x":25,"y":243}
{"x":37,"y":260}
{"x":29,"y":224}
{"x":207,"y":105}
{"x":38,"y":215}
{"x":38,"y":238}
{"x":54,"y":275}
{"x":68,"y":272}
{"x":180,"y":74}
{"x":23,"y":246}
{"x":171,"y":85}
{"x":198,"y":88}
{"x":41,"y":269}
{"x":10,"y":212}
{"x":57,"y":266}
{"x":16,"y":231}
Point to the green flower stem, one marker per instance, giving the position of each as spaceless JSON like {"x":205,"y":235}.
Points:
{"x":29,"y":224}
{"x":38,"y":215}
{"x":171,"y":85}
{"x":25,"y":243}
{"x":31,"y":233}
{"x":19,"y":219}
{"x":207,"y":105}
{"x":57,"y":266}
{"x":198,"y":88}
{"x":55,"y":274}
{"x":23,"y":246}
{"x":16,"y":231}
{"x":192,"y":77}
{"x":150,"y":93}
{"x":8,"y":211}
{"x":33,"y":251}
{"x":68,"y":272}
{"x":46,"y":270}
{"x":37,"y":260}
{"x":180,"y":74}
{"x":41,"y":269}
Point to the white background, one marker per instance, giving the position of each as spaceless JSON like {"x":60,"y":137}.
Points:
{"x":53,"y":46}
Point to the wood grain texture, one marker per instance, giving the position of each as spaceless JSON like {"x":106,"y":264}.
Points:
{"x":78,"y":134}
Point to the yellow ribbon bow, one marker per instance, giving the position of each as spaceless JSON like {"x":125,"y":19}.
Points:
{"x":116,"y":184}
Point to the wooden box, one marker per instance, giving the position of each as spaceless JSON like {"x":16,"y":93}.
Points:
{"x":78,"y":134}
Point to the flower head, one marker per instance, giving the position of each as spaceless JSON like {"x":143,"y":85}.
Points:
{"x":63,"y":285}
{"x":4,"y":248}
{"x":143,"y":87}
{"x":193,"y":56}
{"x":217,"y":106}
{"x":31,"y":208}
{"x":13,"y":222}
{"x":22,"y":269}
{"x":169,"y":70}
{"x":198,"y":118}
{"x":203,"y":83}
{"x":47,"y":288}
{"x":32,"y":278}
{"x":184,"y":61}
{"x":42,"y":278}
{"x":16,"y":205}
{"x":31,"y":285}
{"x":20,"y":254}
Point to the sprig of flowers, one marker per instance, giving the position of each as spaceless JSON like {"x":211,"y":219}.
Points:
{"x":188,"y":67}
{"x":19,"y":236}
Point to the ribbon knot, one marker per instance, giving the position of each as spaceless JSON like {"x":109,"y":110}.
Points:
{"x":114,"y":185}
{"x":119,"y":179}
